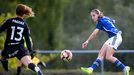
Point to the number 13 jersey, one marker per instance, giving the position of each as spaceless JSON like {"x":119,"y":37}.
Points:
{"x":16,"y":29}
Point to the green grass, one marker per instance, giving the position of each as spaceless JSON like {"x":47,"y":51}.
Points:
{"x":61,"y":72}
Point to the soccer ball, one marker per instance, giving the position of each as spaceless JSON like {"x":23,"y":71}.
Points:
{"x":66,"y":55}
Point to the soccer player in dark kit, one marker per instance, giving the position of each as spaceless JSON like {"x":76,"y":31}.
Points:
{"x":16,"y":31}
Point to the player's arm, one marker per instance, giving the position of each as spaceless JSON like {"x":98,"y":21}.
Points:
{"x":25,"y":45}
{"x":27,"y":39}
{"x":29,"y":42}
{"x":4,"y":26}
{"x":94,"y":33}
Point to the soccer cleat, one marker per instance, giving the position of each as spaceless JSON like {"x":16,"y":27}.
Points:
{"x":86,"y":70}
{"x":127,"y":69}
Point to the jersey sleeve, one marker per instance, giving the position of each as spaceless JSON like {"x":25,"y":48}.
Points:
{"x":27,"y":38}
{"x":99,"y":25}
{"x":4,"y":26}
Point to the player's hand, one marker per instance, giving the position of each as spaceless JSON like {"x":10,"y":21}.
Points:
{"x":84,"y":45}
{"x":32,"y":53}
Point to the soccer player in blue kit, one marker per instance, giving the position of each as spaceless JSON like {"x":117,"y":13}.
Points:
{"x":108,"y":49}
{"x":16,"y":30}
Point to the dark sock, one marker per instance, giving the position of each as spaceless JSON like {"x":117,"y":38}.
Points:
{"x":42,"y":65}
{"x":18,"y":70}
{"x":5,"y":64}
{"x":33,"y":67}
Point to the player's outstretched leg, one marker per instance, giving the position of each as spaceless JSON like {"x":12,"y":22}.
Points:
{"x":86,"y":70}
{"x":35,"y":68}
{"x":93,"y":67}
{"x":124,"y":68}
{"x":5,"y":64}
{"x":18,"y":70}
{"x":41,"y":65}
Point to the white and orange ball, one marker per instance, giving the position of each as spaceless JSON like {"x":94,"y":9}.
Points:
{"x":66,"y":55}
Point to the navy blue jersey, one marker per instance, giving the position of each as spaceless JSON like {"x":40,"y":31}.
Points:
{"x":106,"y":24}
{"x":16,"y":29}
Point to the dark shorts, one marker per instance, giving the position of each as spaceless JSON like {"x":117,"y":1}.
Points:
{"x":17,"y":51}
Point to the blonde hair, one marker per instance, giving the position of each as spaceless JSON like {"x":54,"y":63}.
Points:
{"x":98,"y":12}
{"x":22,"y":10}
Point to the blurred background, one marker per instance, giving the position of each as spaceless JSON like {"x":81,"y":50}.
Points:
{"x":66,"y":24}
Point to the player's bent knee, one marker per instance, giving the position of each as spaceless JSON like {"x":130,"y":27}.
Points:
{"x":26,"y":60}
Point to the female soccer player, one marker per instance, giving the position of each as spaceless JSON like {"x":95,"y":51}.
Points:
{"x":108,"y":49}
{"x":16,"y":28}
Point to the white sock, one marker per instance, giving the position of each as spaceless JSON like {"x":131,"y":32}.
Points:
{"x":37,"y":69}
{"x":90,"y":68}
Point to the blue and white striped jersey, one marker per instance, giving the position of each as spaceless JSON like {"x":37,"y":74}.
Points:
{"x":106,"y":24}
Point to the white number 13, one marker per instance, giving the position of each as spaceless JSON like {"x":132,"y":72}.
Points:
{"x":18,"y":33}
